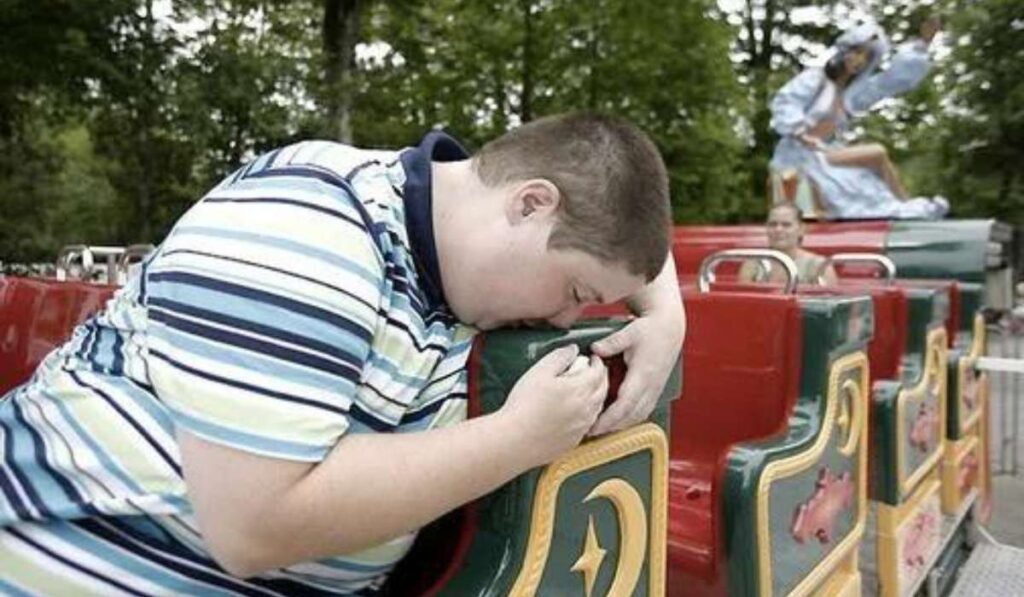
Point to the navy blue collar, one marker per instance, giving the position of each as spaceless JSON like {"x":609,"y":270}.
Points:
{"x":435,"y":146}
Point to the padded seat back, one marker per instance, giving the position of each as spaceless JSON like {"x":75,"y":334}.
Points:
{"x":38,"y":315}
{"x":741,"y":374}
{"x":692,"y":244}
{"x":952,"y":291}
{"x":741,"y":357}
{"x":885,"y":350}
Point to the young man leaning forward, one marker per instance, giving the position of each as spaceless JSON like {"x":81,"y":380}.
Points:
{"x":276,"y":403}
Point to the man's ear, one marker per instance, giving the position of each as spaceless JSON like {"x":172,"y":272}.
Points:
{"x":532,"y":199}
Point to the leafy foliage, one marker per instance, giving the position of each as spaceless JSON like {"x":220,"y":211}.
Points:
{"x":116,"y":115}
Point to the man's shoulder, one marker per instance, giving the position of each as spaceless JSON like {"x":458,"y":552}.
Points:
{"x":344,"y":160}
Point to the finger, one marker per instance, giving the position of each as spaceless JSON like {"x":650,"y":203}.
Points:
{"x":598,"y":372}
{"x":612,"y":418}
{"x":641,"y":412}
{"x":558,"y":360}
{"x":579,"y":365}
{"x":601,"y":390}
{"x":615,"y":343}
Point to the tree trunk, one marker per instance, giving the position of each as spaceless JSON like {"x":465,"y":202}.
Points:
{"x":759,"y":70}
{"x":526,"y":101}
{"x":1005,"y":185}
{"x":341,"y":25}
{"x":146,"y":116}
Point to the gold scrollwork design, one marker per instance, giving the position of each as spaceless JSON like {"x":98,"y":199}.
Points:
{"x":632,"y":519}
{"x":647,"y":437}
{"x":852,"y":367}
{"x":851,"y":416}
{"x":932,"y":382}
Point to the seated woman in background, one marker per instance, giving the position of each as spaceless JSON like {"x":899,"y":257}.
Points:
{"x":813,"y":110}
{"x":785,"y":229}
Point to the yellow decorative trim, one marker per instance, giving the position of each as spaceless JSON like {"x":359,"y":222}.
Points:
{"x":890,"y":521}
{"x":633,"y":532}
{"x":619,"y":445}
{"x":980,"y":336}
{"x":968,"y":362}
{"x":935,"y":373}
{"x":985,"y":473}
{"x":851,"y":418}
{"x":590,"y":560}
{"x":846,"y":583}
{"x":955,"y":454}
{"x":890,"y":517}
{"x":798,"y":463}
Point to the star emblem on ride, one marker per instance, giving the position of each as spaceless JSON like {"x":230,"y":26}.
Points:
{"x":590,"y":560}
{"x":631,"y":516}
{"x":816,"y":517}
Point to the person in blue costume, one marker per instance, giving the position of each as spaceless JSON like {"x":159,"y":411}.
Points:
{"x":813,"y":111}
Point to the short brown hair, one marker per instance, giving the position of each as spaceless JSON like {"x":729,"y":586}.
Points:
{"x":615,"y":200}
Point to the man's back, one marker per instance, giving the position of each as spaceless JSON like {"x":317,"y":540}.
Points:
{"x":283,"y":310}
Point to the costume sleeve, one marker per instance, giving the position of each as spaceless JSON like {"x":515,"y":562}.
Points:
{"x":262,"y":306}
{"x":909,"y":67}
{"x":790,"y":104}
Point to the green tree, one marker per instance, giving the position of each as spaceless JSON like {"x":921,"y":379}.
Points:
{"x":479,"y":68}
{"x":982,"y":142}
{"x":52,"y":52}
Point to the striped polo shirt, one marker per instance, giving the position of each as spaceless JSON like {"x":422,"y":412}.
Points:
{"x":298,"y":301}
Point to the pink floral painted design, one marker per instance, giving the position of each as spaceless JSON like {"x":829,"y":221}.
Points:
{"x":816,"y":517}
{"x":967,"y":475}
{"x":920,"y":539}
{"x":924,"y":431}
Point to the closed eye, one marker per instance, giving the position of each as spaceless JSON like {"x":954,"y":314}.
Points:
{"x":576,"y":296}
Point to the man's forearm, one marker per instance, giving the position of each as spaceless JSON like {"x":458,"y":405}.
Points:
{"x":370,"y":488}
{"x":661,"y":293}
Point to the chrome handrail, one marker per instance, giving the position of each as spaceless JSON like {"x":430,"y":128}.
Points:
{"x":112,"y":255}
{"x":706,"y":276}
{"x":68,"y":254}
{"x":131,"y":255}
{"x":118,"y":260}
{"x":884,"y":263}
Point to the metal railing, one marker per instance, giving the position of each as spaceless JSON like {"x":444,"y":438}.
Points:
{"x":1005,"y":341}
{"x":81,"y":262}
{"x":762,"y":257}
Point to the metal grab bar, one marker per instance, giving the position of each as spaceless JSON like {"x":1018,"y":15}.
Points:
{"x":706,"y":276}
{"x":884,"y":263}
{"x":118,"y":261}
{"x":112,"y":255}
{"x":132,"y":255}
{"x":67,"y":256}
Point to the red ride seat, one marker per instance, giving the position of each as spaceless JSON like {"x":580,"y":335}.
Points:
{"x":38,"y":315}
{"x":692,"y":244}
{"x":889,"y":339}
{"x":885,"y":350}
{"x":741,"y":376}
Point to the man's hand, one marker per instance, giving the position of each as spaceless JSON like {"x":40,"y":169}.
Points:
{"x":650,"y":345}
{"x":556,"y":402}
